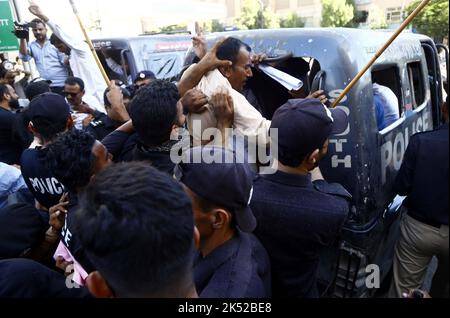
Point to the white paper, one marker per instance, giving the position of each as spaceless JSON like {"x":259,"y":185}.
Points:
{"x":288,"y":81}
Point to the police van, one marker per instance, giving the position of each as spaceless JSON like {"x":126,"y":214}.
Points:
{"x":364,"y":160}
{"x":163,"y":54}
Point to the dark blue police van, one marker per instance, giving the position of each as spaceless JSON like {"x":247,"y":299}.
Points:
{"x":364,"y":160}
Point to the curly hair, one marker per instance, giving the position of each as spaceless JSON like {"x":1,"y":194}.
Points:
{"x":135,"y":215}
{"x":154,"y":111}
{"x":70,"y":159}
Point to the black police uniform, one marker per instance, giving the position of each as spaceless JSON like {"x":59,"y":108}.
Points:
{"x":423,"y":177}
{"x":22,"y":228}
{"x":239,"y":268}
{"x":101,"y":127}
{"x":128,"y":147}
{"x":41,"y":182}
{"x":23,"y":278}
{"x":70,"y":239}
{"x":9,"y":150}
{"x":297,"y":218}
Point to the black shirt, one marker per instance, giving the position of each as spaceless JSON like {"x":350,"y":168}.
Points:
{"x":126,"y":147}
{"x":70,"y":239}
{"x":423,"y":176}
{"x":22,"y":228}
{"x":23,"y":278}
{"x":9,"y":149}
{"x":297,"y":218}
{"x":239,"y":268}
{"x":101,"y":127}
{"x":46,"y":189}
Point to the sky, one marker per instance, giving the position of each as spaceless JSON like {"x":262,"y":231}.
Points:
{"x":123,"y":17}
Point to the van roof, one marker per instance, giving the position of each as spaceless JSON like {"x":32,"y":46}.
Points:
{"x":357,"y":45}
{"x":124,"y":42}
{"x":362,"y":35}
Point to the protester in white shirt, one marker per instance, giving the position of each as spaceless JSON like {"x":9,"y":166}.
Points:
{"x":81,"y":61}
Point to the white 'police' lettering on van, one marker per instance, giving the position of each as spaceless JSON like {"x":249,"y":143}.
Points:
{"x":339,"y":160}
{"x":392,"y":151}
{"x":47,"y":185}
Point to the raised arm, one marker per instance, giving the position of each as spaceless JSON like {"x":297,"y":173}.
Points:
{"x":194,"y":74}
{"x":71,"y":42}
{"x":24,"y":53}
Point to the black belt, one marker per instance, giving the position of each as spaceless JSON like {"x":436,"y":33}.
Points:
{"x":423,"y":220}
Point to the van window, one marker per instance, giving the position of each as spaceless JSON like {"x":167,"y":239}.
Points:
{"x":164,"y":58}
{"x":166,"y":65}
{"x":267,"y":95}
{"x":117,"y":72}
{"x":416,"y":83}
{"x":387,"y":95}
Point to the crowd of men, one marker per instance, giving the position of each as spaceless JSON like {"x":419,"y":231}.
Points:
{"x":91,"y":197}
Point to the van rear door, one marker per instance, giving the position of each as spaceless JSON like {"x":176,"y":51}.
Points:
{"x":434,"y":76}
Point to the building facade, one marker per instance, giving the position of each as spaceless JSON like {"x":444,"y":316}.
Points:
{"x":393,"y":11}
{"x":390,"y":11}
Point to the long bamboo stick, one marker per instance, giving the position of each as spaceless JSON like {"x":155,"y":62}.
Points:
{"x":89,"y":42}
{"x":380,"y":51}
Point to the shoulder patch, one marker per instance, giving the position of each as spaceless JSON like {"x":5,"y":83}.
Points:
{"x":332,"y":189}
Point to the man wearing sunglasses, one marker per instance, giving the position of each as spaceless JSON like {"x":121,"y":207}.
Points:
{"x":82,"y":112}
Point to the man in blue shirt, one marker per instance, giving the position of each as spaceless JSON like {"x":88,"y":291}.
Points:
{"x":49,"y":61}
{"x":379,"y":111}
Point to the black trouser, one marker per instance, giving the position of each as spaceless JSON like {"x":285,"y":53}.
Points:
{"x":58,"y":90}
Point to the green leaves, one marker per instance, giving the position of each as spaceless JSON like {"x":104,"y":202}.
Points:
{"x":336,"y":13}
{"x":433,"y":20}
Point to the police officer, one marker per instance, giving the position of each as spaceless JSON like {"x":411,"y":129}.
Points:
{"x":231,"y":262}
{"x":103,"y":124}
{"x":144,"y":78}
{"x":299,"y":215}
{"x":423,"y":179}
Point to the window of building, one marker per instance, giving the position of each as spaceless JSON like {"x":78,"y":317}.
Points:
{"x":394,"y":15}
{"x":416,"y":83}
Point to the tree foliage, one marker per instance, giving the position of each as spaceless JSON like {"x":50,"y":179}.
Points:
{"x":336,"y":13}
{"x":376,"y":19}
{"x":252,"y":17}
{"x":174,"y":28}
{"x":358,"y":16}
{"x":213,"y":26}
{"x":292,"y":21}
{"x":433,"y":20}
